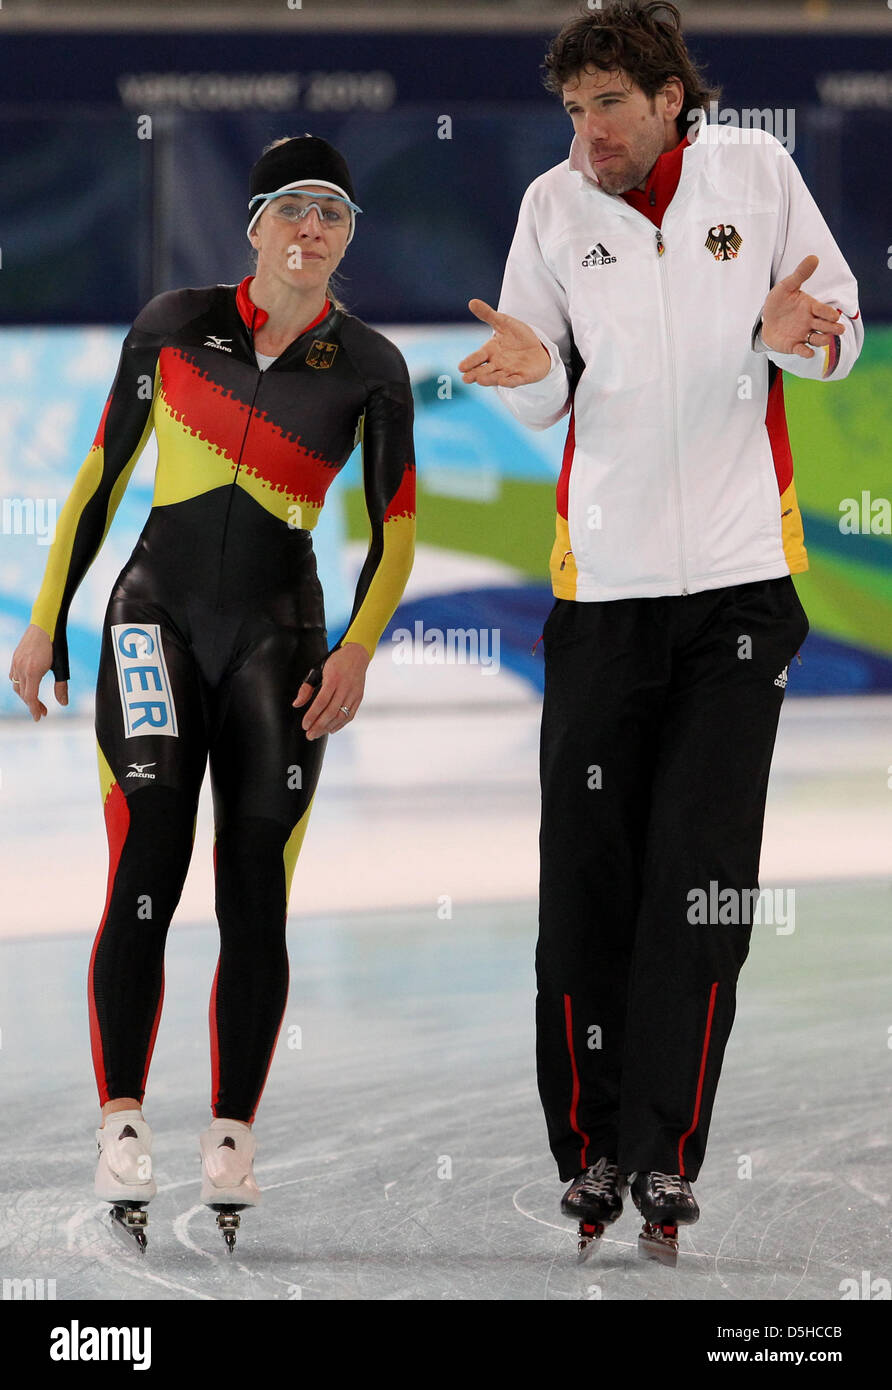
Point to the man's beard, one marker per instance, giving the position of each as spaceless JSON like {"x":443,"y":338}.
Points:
{"x":620,"y":182}
{"x":635,"y":169}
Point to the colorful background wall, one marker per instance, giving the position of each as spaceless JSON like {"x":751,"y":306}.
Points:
{"x":126,"y":158}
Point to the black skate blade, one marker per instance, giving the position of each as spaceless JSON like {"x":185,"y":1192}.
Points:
{"x":129,"y":1221}
{"x":590,"y":1232}
{"x":659,"y":1243}
{"x":228,"y":1220}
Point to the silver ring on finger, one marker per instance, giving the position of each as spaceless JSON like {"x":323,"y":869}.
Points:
{"x":14,"y":681}
{"x":808,"y":341}
{"x":345,"y":710}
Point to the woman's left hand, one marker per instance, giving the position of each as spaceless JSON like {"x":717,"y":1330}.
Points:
{"x":343,"y":685}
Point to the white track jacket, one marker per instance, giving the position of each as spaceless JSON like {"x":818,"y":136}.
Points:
{"x":677,"y":475}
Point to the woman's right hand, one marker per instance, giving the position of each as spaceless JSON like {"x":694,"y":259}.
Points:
{"x":31,"y":660}
{"x":513,"y":356}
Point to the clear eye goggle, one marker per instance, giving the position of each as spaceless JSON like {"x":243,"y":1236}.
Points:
{"x":331,"y":209}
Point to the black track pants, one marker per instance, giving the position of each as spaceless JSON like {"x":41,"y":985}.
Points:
{"x":658,"y":727}
{"x":184,"y":680}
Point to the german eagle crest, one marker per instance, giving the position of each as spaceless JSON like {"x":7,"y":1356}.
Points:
{"x":724,"y":242}
{"x":321,"y":354}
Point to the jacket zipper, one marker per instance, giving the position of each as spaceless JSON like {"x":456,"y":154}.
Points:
{"x":661,"y":249}
{"x":238,"y":464}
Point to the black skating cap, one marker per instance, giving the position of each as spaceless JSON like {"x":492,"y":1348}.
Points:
{"x":303,"y":157}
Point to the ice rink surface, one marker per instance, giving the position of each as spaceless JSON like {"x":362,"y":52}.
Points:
{"x":401,"y":1149}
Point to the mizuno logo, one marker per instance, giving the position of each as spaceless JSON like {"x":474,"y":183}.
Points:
{"x":139,"y":770}
{"x":214,"y":342}
{"x":599,"y":255}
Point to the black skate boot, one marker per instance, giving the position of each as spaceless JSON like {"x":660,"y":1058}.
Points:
{"x":594,"y":1199}
{"x":666,"y":1202}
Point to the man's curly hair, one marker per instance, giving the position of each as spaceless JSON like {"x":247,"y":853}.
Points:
{"x":643,"y":40}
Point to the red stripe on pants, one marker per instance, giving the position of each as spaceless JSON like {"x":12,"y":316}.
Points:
{"x":696,"y":1119}
{"x":117,"y":823}
{"x":212,"y":1020}
{"x":568,"y":1021}
{"x":215,"y":1044}
{"x":151,"y":1047}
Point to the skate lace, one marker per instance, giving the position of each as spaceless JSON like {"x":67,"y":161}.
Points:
{"x":600,"y":1178}
{"x":669,"y":1185}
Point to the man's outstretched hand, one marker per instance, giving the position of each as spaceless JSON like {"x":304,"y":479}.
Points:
{"x":790,"y":315}
{"x":513,"y":356}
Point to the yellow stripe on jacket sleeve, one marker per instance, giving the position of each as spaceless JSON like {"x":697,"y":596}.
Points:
{"x":388,"y":457}
{"x":386,"y":589}
{"x":73,"y":531}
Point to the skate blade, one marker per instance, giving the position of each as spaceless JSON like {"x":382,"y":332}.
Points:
{"x":129,"y":1222}
{"x":590,"y":1232}
{"x":659,"y":1243}
{"x":228,"y":1220}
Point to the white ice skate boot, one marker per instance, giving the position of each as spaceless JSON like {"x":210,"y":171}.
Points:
{"x":124,"y":1174}
{"x":227,"y":1173}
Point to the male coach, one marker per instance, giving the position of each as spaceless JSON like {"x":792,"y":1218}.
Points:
{"x":656,"y":289}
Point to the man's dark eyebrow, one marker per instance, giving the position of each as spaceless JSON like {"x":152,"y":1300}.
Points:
{"x":617,"y":92}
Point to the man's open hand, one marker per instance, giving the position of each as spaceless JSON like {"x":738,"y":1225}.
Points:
{"x":790,"y":315}
{"x":513,"y":356}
